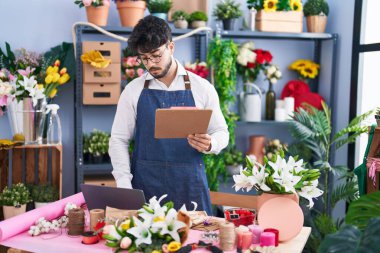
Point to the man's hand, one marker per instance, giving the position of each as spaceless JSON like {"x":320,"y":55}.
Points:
{"x":201,"y":142}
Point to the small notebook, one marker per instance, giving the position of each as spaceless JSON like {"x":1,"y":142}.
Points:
{"x":179,"y":123}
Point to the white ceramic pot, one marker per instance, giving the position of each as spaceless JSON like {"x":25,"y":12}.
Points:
{"x":11,"y":211}
{"x":181,"y":24}
{"x":196,"y":24}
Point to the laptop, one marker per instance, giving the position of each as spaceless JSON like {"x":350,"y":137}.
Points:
{"x":99,"y":197}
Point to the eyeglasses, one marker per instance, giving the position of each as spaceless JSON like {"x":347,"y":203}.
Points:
{"x":153,"y":58}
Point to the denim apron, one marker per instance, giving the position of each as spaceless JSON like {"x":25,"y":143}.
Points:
{"x":167,"y":166}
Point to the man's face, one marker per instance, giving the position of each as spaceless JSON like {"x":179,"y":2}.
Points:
{"x":159,"y":60}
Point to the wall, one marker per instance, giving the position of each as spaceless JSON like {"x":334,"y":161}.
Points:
{"x":44,"y":24}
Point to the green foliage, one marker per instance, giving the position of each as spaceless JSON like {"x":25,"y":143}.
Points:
{"x":198,"y":16}
{"x":227,"y":9}
{"x":316,"y":7}
{"x":180,"y":15}
{"x":43,"y":193}
{"x":360,"y":211}
{"x":347,"y":191}
{"x":215,"y":167}
{"x":255,"y":4}
{"x":7,"y":59}
{"x":159,"y":6}
{"x":96,"y":143}
{"x":233,"y":157}
{"x":16,"y":195}
{"x":350,"y":239}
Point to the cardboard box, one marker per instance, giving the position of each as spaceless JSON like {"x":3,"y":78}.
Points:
{"x":110,"y":50}
{"x":101,"y":94}
{"x":280,"y":21}
{"x":101,"y":181}
{"x":111,"y":74}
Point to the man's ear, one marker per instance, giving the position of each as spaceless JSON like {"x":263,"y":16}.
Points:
{"x":171,"y":47}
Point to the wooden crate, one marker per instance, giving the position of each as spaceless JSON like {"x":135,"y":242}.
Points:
{"x":26,"y":169}
{"x":280,"y":21}
{"x":101,"y":93}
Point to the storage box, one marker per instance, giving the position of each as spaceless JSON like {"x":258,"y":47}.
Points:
{"x":101,"y":181}
{"x":111,"y":74}
{"x":101,"y":93}
{"x":110,"y":50}
{"x":279,"y":21}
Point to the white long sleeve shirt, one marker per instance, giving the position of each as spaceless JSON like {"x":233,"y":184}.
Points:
{"x":123,"y":128}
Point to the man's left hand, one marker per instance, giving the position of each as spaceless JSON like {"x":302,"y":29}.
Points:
{"x":201,"y":142}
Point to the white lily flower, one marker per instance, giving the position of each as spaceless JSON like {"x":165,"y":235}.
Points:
{"x":155,"y":207}
{"x":242,"y":181}
{"x":260,"y":176}
{"x":287,"y":180}
{"x":292,"y":164}
{"x":170,"y":226}
{"x":141,"y":231}
{"x":310,"y":192}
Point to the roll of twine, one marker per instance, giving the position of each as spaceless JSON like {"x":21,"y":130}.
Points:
{"x":96,"y":215}
{"x":227,"y":236}
{"x":75,"y":225}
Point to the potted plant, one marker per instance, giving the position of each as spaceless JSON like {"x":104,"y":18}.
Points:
{"x":43,"y":194}
{"x":14,"y":200}
{"x":160,"y":8}
{"x":180,"y":19}
{"x":97,"y":146}
{"x":198,"y":19}
{"x":233,"y":160}
{"x":97,"y":10}
{"x":130,"y":11}
{"x":227,"y":11}
{"x":316,"y":12}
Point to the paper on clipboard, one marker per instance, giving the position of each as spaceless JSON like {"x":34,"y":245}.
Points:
{"x":179,"y":123}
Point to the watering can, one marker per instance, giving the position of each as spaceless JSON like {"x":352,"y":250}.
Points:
{"x":250,"y":103}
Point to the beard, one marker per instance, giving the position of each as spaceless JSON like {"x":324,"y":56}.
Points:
{"x":163,"y":72}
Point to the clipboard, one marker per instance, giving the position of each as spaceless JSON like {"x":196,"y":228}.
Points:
{"x":179,"y":123}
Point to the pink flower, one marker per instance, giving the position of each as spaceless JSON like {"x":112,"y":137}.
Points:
{"x":165,"y":248}
{"x":3,"y":101}
{"x":125,"y":243}
{"x":25,"y":72}
{"x":87,"y":2}
{"x":140,"y":71}
{"x":132,"y":61}
{"x":130,"y":73}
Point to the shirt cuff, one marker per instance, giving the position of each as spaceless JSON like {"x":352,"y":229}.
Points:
{"x":124,"y":182}
{"x":214,"y":144}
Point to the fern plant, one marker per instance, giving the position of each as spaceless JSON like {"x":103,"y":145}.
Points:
{"x":312,"y":128}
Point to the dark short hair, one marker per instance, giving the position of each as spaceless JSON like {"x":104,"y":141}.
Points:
{"x":150,"y":33}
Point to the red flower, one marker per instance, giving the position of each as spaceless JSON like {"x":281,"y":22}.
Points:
{"x":99,"y":226}
{"x":251,"y":65}
{"x":267,"y":56}
{"x":260,"y":59}
{"x":294,"y":88}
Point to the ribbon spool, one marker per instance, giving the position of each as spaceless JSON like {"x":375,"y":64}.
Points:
{"x":75,"y":225}
{"x":227,"y":236}
{"x":96,"y":215}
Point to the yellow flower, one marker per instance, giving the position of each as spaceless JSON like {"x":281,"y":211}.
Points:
{"x":296,"y":5}
{"x":270,"y":5}
{"x":49,"y":70}
{"x":64,"y":78}
{"x":96,"y":59}
{"x":53,"y":93}
{"x":57,"y":63}
{"x":298,"y":64}
{"x":309,"y":71}
{"x":56,"y":77}
{"x":63,"y":71}
{"x":160,"y":218}
{"x":40,"y":86}
{"x":174,"y":246}
{"x":49,"y":78}
{"x":125,"y":225}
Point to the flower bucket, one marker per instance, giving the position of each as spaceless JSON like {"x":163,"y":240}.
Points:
{"x":130,"y":12}
{"x":97,"y":15}
{"x":27,"y":120}
{"x":11,"y":211}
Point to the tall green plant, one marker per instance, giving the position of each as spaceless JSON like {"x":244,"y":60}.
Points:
{"x":222,"y":56}
{"x":313,"y":128}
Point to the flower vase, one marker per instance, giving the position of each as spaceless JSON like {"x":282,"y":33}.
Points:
{"x":11,"y":211}
{"x":27,"y":120}
{"x":270,"y":103}
{"x":256,"y":147}
{"x":264,"y":197}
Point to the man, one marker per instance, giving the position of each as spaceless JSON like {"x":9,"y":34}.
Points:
{"x":164,"y":166}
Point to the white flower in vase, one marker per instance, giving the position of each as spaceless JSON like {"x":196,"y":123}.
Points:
{"x":153,"y":209}
{"x":141,"y":231}
{"x":310,"y":191}
{"x":170,"y":225}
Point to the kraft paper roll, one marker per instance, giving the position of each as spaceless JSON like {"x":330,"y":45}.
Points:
{"x":21,"y":223}
{"x":227,"y":236}
{"x":96,"y":215}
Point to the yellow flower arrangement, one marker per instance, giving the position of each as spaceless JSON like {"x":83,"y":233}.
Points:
{"x":270,"y":5}
{"x":307,"y":69}
{"x":54,"y":78}
{"x":96,"y":59}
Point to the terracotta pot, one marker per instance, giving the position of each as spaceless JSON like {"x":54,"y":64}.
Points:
{"x":10,"y":211}
{"x":181,"y":24}
{"x":196,"y":24}
{"x":316,"y":24}
{"x":256,"y":147}
{"x":261,"y":199}
{"x":130,"y":12}
{"x":97,"y":15}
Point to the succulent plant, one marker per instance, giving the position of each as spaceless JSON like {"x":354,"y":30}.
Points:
{"x":180,"y":15}
{"x":198,"y":16}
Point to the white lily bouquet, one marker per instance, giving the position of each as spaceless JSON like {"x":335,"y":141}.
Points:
{"x":278,"y":176}
{"x":156,"y":229}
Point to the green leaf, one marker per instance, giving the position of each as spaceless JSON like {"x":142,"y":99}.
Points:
{"x":347,"y":191}
{"x":363,"y":209}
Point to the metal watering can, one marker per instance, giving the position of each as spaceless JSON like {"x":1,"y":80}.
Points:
{"x":250,"y":103}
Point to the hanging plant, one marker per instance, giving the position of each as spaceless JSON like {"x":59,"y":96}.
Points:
{"x":222,"y":56}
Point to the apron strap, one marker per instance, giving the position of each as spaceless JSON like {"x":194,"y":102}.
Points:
{"x":146,"y":84}
{"x":186,"y":79}
{"x":371,"y":133}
